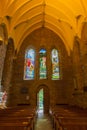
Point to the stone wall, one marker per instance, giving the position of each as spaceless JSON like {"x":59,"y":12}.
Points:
{"x":59,"y":90}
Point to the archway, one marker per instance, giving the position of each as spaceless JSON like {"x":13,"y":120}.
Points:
{"x":43,"y":98}
{"x":40,"y":100}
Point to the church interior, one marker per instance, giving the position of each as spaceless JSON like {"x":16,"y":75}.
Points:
{"x":43,"y":64}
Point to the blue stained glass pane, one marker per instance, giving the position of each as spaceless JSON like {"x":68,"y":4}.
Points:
{"x":42,"y":59}
{"x":55,"y":65}
{"x":29,"y":64}
{"x":43,"y":51}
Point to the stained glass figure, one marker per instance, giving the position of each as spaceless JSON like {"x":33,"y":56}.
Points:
{"x":29,"y":64}
{"x":55,"y":65}
{"x":42,"y":59}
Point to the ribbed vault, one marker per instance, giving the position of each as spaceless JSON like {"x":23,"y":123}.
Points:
{"x":64,"y":17}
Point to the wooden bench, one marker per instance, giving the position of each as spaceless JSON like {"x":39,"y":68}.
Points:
{"x":14,"y":126}
{"x":71,"y":123}
{"x":20,"y":118}
{"x":69,"y":118}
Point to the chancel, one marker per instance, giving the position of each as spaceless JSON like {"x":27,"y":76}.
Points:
{"x":43,"y":64}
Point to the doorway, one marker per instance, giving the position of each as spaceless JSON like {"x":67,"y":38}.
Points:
{"x":43,"y":99}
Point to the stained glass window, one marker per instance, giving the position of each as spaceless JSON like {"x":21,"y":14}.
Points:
{"x":29,"y":64}
{"x":55,"y":65}
{"x":42,"y":61}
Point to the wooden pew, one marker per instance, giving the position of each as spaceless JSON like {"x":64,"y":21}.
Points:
{"x":69,"y":118}
{"x":19,"y":116}
{"x":71,"y":123}
{"x":14,"y":126}
{"x":28,"y":119}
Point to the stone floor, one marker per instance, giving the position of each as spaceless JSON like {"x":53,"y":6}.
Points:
{"x":43,"y":122}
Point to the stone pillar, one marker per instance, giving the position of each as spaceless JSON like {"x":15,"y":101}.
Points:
{"x":84,"y":65}
{"x":2,"y":52}
{"x":77,"y":70}
{"x":8,"y":63}
{"x":84,"y":55}
{"x":77,"y":95}
{"x":2,"y":57}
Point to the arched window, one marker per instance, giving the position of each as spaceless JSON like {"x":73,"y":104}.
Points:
{"x":55,"y":65}
{"x":42,"y":64}
{"x":29,"y":64}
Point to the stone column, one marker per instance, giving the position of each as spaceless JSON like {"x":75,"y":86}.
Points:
{"x":2,"y":57}
{"x":7,"y":70}
{"x":77,"y":70}
{"x":2,"y":52}
{"x":84,"y":64}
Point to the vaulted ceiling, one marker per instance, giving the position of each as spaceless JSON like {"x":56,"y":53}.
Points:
{"x":64,"y":17}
